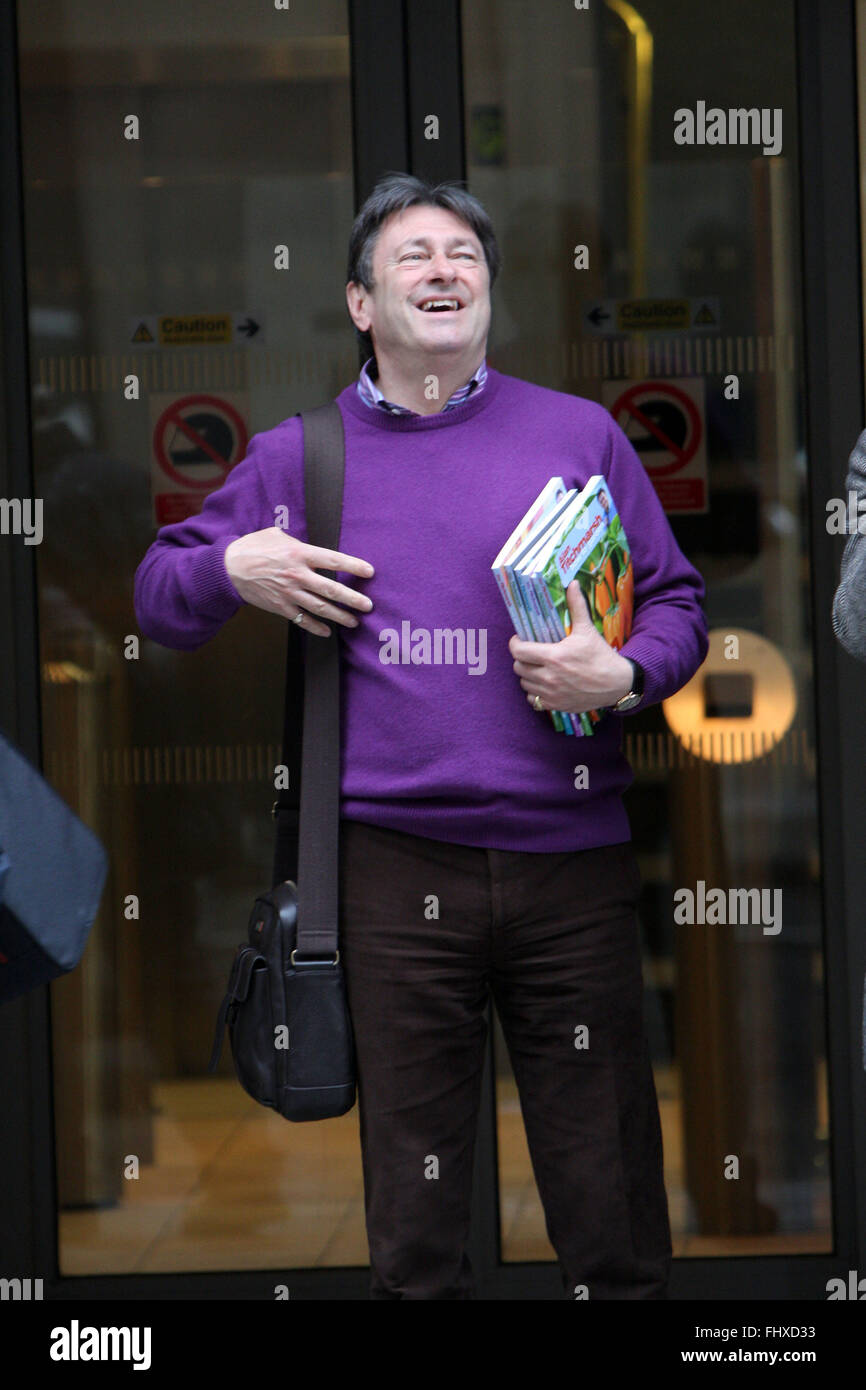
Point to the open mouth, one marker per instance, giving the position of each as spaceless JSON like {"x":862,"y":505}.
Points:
{"x":439,"y":306}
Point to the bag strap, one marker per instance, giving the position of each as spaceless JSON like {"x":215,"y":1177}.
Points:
{"x":311,"y":735}
{"x":286,"y":808}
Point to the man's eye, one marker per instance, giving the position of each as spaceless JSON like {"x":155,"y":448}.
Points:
{"x":411,"y":256}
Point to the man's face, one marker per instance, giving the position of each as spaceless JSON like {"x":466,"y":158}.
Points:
{"x":425,"y":256}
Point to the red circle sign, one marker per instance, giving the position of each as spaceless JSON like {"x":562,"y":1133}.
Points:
{"x":683,"y":453}
{"x":174,"y":417}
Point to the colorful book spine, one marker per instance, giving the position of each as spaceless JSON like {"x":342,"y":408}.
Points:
{"x":594,"y":550}
{"x":523,"y":594}
{"x":542,"y":508}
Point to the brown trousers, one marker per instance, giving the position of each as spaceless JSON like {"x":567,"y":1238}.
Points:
{"x":426,"y":927}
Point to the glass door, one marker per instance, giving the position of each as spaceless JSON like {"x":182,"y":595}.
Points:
{"x":164,"y":164}
{"x":656,"y":269}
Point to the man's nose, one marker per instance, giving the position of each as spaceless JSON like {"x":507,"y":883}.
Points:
{"x":440,"y":267}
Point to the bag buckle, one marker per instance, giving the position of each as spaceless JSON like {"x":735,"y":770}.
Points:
{"x":296,"y":963}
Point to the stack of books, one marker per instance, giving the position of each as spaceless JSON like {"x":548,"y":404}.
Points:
{"x":568,"y":534}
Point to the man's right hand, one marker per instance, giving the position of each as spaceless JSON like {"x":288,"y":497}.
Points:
{"x":277,"y":572}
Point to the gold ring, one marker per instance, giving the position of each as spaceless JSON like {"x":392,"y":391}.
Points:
{"x":536,"y":703}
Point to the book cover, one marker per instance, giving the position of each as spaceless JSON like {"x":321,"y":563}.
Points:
{"x":591,"y":546}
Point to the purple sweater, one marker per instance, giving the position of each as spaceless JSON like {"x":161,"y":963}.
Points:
{"x":449,"y":750}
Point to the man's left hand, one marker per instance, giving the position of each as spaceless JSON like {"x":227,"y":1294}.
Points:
{"x":579,"y":673}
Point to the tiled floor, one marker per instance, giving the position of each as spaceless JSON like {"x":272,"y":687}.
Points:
{"x":235,"y":1187}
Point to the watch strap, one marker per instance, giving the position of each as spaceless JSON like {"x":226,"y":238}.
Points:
{"x":628,"y":701}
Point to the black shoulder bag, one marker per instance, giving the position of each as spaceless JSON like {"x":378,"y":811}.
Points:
{"x":285,"y":1007}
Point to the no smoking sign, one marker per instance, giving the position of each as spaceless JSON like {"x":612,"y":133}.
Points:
{"x":664,"y":423}
{"x":196,"y":440}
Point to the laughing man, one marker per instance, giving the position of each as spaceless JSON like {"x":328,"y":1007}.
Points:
{"x":474,"y":855}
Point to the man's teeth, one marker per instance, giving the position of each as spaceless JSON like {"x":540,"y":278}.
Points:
{"x":440,"y":304}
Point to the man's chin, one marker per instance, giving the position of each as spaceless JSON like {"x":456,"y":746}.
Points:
{"x":443,"y":343}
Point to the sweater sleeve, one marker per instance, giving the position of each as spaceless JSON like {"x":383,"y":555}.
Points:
{"x":182,"y":592}
{"x":849,"y":601}
{"x":669,"y":630}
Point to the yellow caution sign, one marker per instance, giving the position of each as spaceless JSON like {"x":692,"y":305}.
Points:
{"x":180,"y":330}
{"x":649,"y":315}
{"x":194,"y":330}
{"x":638,"y":314}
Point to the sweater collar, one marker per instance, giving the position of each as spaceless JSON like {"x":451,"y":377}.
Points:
{"x":371,"y":393}
{"x":441,"y":419}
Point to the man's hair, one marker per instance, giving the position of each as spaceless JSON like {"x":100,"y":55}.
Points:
{"x":396,"y":193}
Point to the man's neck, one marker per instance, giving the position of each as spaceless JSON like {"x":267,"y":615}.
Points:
{"x":425,"y":389}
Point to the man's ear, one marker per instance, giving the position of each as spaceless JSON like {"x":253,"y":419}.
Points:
{"x":356,"y":299}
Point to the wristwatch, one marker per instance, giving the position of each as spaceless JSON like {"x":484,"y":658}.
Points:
{"x":635,"y":695}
